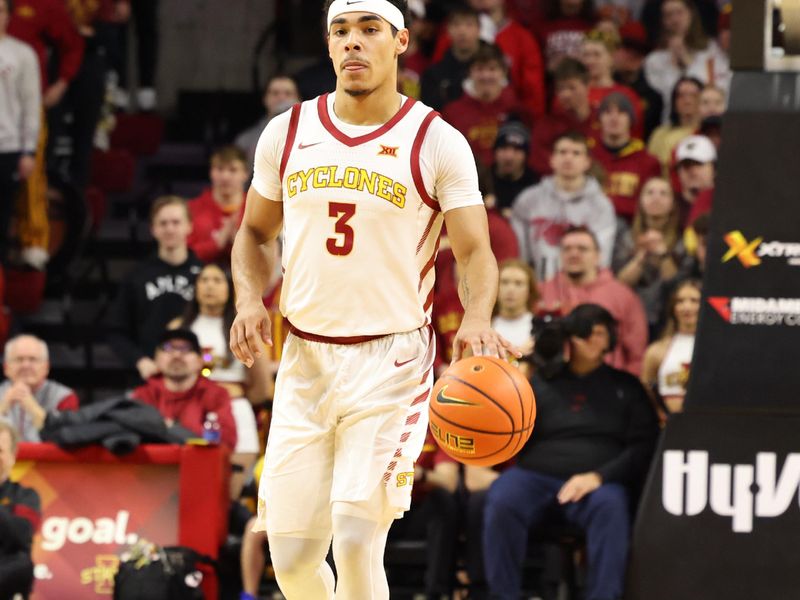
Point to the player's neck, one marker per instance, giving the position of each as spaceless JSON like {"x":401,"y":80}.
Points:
{"x":374,"y":108}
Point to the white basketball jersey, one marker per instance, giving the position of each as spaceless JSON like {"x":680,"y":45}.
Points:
{"x":361,"y":232}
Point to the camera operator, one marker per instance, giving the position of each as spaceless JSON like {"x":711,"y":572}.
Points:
{"x":595,"y":433}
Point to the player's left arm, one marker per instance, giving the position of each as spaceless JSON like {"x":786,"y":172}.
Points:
{"x":468,"y":232}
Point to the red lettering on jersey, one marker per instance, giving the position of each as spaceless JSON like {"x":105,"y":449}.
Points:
{"x":388,"y":151}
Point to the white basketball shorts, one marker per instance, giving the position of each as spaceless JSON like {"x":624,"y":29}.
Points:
{"x":346,"y":418}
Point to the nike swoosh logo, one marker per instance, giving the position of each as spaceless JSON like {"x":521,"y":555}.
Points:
{"x":349,"y":2}
{"x":303,"y":146}
{"x":442,"y":399}
{"x":405,"y":362}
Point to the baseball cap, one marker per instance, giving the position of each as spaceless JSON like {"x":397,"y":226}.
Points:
{"x":180,"y":334}
{"x":697,"y":148}
{"x":634,"y":37}
{"x":513,"y":134}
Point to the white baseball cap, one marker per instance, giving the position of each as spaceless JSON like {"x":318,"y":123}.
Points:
{"x":697,"y":148}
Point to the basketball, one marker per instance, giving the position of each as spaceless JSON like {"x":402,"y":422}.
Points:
{"x":482,"y":411}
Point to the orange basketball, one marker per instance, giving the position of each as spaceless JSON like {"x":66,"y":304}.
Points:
{"x":482,"y":411}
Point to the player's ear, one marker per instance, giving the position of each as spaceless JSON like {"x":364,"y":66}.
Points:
{"x":401,"y":41}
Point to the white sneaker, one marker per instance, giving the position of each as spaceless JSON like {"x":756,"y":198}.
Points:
{"x":146,"y":99}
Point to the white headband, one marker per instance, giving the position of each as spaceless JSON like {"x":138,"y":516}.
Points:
{"x":382,"y":8}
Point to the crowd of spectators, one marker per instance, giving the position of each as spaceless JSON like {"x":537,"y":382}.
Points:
{"x":595,"y":128}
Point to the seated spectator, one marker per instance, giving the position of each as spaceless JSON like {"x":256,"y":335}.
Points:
{"x":516,"y":296}
{"x":684,"y":119}
{"x":581,"y":280}
{"x":575,"y":114}
{"x":694,"y":264}
{"x":181,"y":393}
{"x":595,"y":434}
{"x":20,"y":121}
{"x":667,"y":362}
{"x":443,"y":82}
{"x":597,"y":54}
{"x":684,"y":50}
{"x":696,"y":157}
{"x":279,"y":96}
{"x":511,"y":173}
{"x":629,"y":70}
{"x":210,"y":316}
{"x":712,"y":102}
{"x":626,"y":162}
{"x":486,"y":103}
{"x":562,"y":31}
{"x":27,"y":396}
{"x":156,"y":291}
{"x":217,"y":212}
{"x":20,"y":515}
{"x":569,"y":197}
{"x":657,"y":249}
{"x":433,"y":517}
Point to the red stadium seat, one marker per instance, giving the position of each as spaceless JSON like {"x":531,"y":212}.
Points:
{"x":113,"y":171}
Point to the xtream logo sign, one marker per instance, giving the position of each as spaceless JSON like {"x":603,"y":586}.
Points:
{"x":689,"y":484}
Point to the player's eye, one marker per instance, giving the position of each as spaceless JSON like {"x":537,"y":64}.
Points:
{"x":338,"y":32}
{"x":372,"y":29}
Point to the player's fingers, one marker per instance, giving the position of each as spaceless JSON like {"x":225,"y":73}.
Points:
{"x":491,"y":348}
{"x":266,"y":331}
{"x":477,"y":347}
{"x":234,"y":342}
{"x":244,"y":353}
{"x":456,"y":351}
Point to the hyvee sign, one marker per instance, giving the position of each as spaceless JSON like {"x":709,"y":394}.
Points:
{"x":690,"y":483}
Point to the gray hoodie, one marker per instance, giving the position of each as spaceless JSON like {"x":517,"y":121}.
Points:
{"x":542,"y":213}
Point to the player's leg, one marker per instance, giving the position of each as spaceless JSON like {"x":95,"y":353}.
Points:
{"x":380,"y":435}
{"x":294,"y":494}
{"x":359,"y":540}
{"x":300,"y":567}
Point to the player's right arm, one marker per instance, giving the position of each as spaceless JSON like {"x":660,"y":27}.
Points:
{"x":252,"y":261}
{"x":255,"y":246}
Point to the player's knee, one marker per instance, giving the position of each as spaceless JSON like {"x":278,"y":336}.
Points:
{"x":293,"y":561}
{"x":351,"y":548}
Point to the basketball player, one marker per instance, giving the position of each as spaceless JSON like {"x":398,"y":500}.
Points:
{"x":361,"y":182}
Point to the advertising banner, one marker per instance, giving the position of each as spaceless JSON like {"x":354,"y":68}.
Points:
{"x":90,"y":514}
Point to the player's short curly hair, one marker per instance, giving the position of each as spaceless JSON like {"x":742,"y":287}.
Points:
{"x":402,"y":5}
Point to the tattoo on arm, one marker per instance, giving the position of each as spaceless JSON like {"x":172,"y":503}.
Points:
{"x":465,"y":292}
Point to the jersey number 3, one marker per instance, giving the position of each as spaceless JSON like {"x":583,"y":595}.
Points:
{"x":342,"y":212}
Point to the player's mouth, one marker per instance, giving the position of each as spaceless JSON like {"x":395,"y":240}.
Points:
{"x":354,"y":65}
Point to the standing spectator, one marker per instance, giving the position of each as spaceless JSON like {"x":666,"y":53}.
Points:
{"x":684,"y":51}
{"x":657,"y":248}
{"x":20,"y":120}
{"x":542,"y":214}
{"x":595,"y":434}
{"x":27,"y":396}
{"x":156,"y":291}
{"x":180,"y":393}
{"x":581,"y":280}
{"x":629,"y":70}
{"x":652,"y":17}
{"x":216,"y":213}
{"x":486,"y":103}
{"x":684,"y":119}
{"x":574,"y":114}
{"x":563,"y":29}
{"x":667,"y":362}
{"x":443,"y":81}
{"x":511,"y":173}
{"x":20,"y":516}
{"x":145,"y":21}
{"x":597,"y":53}
{"x":626,"y":162}
{"x":279,"y":95}
{"x":516,"y":296}
{"x":46,"y":26}
{"x":522,"y":50}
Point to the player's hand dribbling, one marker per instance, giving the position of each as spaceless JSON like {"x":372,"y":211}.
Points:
{"x":477,"y":338}
{"x":251,"y":329}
